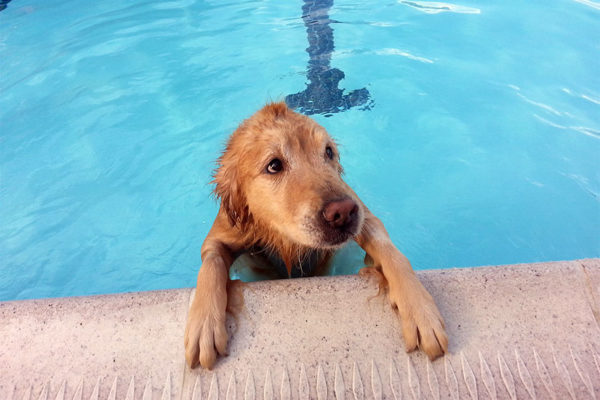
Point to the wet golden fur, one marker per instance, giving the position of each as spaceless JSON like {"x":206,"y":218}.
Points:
{"x":282,"y":212}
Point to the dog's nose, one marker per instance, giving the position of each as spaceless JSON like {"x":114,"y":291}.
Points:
{"x":340,"y":213}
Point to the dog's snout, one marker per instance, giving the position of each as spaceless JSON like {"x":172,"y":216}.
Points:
{"x":340,"y":213}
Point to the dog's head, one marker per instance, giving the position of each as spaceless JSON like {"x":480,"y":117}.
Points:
{"x":281,"y":172}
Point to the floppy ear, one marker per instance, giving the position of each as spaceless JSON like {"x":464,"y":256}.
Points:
{"x":229,"y":190}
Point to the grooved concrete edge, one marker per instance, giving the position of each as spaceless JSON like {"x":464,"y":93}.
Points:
{"x":528,"y":331}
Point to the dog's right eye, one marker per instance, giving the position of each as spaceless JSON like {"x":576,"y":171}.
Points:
{"x":275,"y":166}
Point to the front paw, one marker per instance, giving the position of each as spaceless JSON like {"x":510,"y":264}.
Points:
{"x":205,"y":331}
{"x":422,"y":324}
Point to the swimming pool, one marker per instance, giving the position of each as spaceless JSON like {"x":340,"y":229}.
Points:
{"x":473,"y":131}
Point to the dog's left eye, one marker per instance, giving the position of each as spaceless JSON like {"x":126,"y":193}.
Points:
{"x":329,"y":152}
{"x":275,"y":166}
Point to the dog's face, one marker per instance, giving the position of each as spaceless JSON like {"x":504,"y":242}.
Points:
{"x":281,"y":171}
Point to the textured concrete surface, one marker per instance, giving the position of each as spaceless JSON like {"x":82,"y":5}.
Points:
{"x":517,"y":332}
{"x":91,"y":341}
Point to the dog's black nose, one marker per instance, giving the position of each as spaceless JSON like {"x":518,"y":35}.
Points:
{"x":340,"y":213}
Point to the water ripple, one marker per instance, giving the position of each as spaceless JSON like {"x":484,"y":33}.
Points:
{"x":589,"y":3}
{"x":398,"y":52}
{"x":581,"y":129}
{"x":434,"y":7}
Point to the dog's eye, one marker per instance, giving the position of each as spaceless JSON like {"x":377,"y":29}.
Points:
{"x":329,"y":152}
{"x":275,"y":166}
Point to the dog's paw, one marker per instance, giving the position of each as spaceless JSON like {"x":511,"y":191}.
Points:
{"x":205,"y":331}
{"x":422,"y":324}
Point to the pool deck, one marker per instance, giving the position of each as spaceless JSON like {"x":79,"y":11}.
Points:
{"x":517,"y":332}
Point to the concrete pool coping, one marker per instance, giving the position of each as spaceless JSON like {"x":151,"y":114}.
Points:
{"x":519,"y":331}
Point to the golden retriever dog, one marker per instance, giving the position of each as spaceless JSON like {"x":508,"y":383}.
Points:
{"x":280,"y":186}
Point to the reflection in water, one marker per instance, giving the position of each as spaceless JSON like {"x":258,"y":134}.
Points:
{"x":322,"y":95}
{"x":3,"y":4}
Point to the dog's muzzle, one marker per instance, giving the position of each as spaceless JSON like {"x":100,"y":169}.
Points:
{"x":339,"y":220}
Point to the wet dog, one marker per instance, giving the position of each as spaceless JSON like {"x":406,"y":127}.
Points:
{"x":280,"y":186}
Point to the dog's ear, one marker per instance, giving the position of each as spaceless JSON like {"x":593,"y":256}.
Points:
{"x":229,"y":190}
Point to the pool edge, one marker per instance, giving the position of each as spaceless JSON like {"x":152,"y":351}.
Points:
{"x":523,"y":330}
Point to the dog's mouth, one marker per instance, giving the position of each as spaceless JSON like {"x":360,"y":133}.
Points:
{"x":337,"y":237}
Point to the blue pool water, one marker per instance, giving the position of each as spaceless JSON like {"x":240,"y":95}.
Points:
{"x":481,"y":145}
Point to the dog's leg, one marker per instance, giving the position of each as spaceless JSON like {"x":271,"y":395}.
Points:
{"x":422,"y":323}
{"x":205,"y":332}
